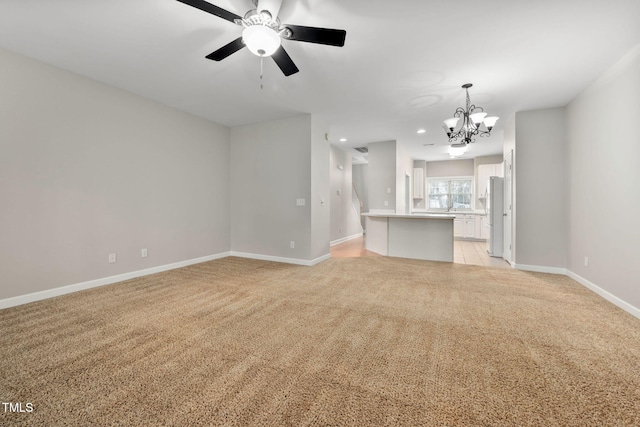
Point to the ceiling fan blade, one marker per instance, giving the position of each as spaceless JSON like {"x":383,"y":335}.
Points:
{"x":284,"y":61}
{"x":227,"y":50}
{"x":212,"y":9}
{"x":327,"y":36}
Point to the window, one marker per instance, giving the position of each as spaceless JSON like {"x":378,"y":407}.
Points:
{"x":448,"y":193}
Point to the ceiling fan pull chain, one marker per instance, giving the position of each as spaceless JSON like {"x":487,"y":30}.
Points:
{"x":261,"y":71}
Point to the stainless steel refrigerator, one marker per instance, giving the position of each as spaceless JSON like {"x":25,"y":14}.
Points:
{"x":495,"y":215}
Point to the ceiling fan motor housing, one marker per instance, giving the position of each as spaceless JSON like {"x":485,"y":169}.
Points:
{"x":262,"y":33}
{"x":272,"y":6}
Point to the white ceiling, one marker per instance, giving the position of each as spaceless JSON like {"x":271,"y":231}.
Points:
{"x":400,"y":70}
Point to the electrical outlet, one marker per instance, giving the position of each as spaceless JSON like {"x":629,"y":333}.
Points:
{"x":112,"y":258}
{"x":388,"y":190}
{"x":586,"y":261}
{"x":292,"y":244}
{"x":144,"y":253}
{"x":386,"y":203}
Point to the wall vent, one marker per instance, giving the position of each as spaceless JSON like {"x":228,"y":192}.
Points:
{"x":362,"y":149}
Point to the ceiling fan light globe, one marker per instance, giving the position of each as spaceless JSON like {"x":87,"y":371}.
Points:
{"x":261,"y":40}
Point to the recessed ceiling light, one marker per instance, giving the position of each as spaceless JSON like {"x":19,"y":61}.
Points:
{"x":421,"y":131}
{"x":343,"y":139}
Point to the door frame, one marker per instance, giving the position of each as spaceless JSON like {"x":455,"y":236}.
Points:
{"x":508,"y":208}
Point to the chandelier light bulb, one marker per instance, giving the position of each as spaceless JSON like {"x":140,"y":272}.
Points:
{"x":261,"y":40}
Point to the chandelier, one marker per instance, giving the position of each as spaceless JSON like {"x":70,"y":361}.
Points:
{"x":472,"y":118}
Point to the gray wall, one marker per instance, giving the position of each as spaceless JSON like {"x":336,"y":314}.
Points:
{"x":360,"y":178}
{"x":404,"y":166}
{"x":463,"y":167}
{"x":344,"y":219}
{"x":542,"y":188}
{"x":509,"y":146}
{"x":272,"y":167}
{"x":320,"y":190}
{"x":86,"y":170}
{"x":604,"y":148}
{"x":575,"y":180}
{"x":382,"y":176}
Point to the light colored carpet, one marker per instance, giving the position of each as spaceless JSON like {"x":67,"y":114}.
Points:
{"x":355,"y":341}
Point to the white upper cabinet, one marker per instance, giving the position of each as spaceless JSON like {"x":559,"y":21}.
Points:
{"x":484,"y":172}
{"x":418,"y":183}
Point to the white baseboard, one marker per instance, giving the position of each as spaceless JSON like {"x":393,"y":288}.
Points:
{"x":295,"y":261}
{"x":634,"y":311}
{"x":345,"y":239}
{"x":541,"y":269}
{"x":50,"y":293}
{"x":63,"y":290}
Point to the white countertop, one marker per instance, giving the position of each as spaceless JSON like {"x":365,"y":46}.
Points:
{"x":476,"y":212}
{"x":420,"y":215}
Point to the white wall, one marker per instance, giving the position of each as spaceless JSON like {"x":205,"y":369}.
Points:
{"x":87,"y":170}
{"x":345,"y":221}
{"x":542,"y":188}
{"x":604,"y":148}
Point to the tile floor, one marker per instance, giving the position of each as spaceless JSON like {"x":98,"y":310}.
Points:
{"x":464,"y":252}
{"x":472,"y":252}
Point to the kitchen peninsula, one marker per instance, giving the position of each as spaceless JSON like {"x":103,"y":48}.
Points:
{"x":417,"y":236}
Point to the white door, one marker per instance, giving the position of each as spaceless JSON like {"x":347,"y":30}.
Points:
{"x":508,"y":207}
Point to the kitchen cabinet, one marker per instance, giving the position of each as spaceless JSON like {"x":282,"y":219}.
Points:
{"x":464,"y":226}
{"x":484,"y":172}
{"x":418,"y":183}
{"x":482,"y":227}
{"x":470,"y":226}
{"x":458,"y":227}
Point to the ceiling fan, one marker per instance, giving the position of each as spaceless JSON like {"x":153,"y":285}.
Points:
{"x":263,"y":33}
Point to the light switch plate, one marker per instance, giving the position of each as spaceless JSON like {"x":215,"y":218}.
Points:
{"x":300,"y":202}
